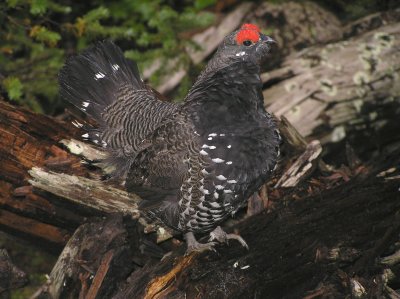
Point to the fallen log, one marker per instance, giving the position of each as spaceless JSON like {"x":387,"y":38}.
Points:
{"x":346,"y":89}
{"x":335,"y":243}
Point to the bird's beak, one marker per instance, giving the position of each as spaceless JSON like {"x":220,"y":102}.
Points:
{"x":266,"y":39}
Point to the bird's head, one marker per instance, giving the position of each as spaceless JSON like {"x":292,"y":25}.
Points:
{"x":246,"y":43}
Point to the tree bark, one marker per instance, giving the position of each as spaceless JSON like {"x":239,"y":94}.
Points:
{"x":348,"y":88}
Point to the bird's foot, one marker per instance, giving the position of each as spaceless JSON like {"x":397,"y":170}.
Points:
{"x":221,"y":236}
{"x":194,"y":246}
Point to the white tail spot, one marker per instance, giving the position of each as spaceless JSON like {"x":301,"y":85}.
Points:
{"x":99,"y":75}
{"x":77,"y":124}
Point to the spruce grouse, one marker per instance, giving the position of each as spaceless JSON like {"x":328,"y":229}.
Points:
{"x":194,"y":163}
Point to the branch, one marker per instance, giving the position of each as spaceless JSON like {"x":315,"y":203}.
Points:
{"x":93,"y":194}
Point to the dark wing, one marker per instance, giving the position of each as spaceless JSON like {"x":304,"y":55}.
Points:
{"x":159,"y":170}
{"x":105,"y":85}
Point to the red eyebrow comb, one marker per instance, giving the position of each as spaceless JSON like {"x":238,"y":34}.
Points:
{"x":250,"y":27}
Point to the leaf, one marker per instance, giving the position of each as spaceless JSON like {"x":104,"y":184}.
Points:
{"x":13,"y":87}
{"x":13,"y":3}
{"x":60,"y":8}
{"x":96,"y":14}
{"x":42,"y":34}
{"x":200,"y":4}
{"x":39,"y":7}
{"x":80,"y":26}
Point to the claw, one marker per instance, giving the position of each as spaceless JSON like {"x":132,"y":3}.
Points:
{"x":221,"y":236}
{"x":194,"y":246}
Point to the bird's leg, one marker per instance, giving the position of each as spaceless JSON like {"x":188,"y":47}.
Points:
{"x":222,"y":237}
{"x":193,"y":245}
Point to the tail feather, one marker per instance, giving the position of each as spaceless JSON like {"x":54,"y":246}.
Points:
{"x":107,"y":87}
{"x":91,"y":80}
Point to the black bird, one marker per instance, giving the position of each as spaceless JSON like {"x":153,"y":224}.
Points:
{"x":194,"y":163}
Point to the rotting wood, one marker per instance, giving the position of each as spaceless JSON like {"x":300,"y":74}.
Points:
{"x":93,"y":194}
{"x":158,"y":288}
{"x":100,"y":274}
{"x":30,"y":212}
{"x":96,"y":258}
{"x":340,"y":88}
{"x":291,"y":136}
{"x":302,"y":167}
{"x":33,"y":228}
{"x":317,"y":238}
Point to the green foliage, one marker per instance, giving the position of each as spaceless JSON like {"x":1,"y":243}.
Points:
{"x":14,"y":87}
{"x":37,"y":36}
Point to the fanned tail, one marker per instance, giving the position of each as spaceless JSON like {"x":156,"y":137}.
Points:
{"x":92,"y":79}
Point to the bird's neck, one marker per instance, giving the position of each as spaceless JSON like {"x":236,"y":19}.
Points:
{"x":227,"y":97}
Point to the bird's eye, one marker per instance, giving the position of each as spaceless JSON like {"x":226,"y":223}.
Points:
{"x":247,"y":43}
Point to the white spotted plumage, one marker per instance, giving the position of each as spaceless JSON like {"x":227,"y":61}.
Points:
{"x":203,"y":152}
{"x":221,"y":177}
{"x":217,"y":160}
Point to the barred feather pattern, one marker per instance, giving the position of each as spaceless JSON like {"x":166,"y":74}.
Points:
{"x":128,"y":121}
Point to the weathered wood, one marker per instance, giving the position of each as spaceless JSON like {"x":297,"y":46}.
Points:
{"x":93,"y":194}
{"x":27,"y":140}
{"x":302,"y":167}
{"x":341,"y":88}
{"x":96,"y":258}
{"x":320,"y":245}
